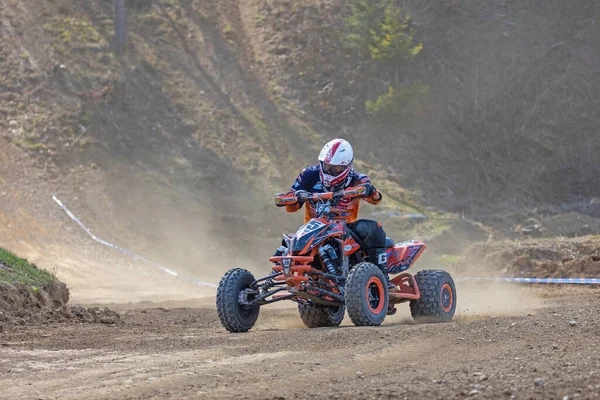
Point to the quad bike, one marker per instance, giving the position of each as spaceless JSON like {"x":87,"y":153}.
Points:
{"x":324,"y":269}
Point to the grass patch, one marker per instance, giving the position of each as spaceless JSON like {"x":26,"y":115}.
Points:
{"x":259,"y":21}
{"x":72,"y":30}
{"x":31,"y":142}
{"x":14,"y":269}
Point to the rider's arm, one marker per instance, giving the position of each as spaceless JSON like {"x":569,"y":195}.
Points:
{"x":302,"y":182}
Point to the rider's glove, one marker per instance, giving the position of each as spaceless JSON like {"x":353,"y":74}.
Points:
{"x":302,"y":195}
{"x":371,"y":191}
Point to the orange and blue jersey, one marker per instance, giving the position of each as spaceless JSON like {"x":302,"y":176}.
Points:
{"x":347,"y":209}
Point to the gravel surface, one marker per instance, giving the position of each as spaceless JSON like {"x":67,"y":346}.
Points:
{"x":181,"y":351}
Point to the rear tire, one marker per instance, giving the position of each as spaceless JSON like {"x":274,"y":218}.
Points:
{"x":366,"y":295}
{"x":319,"y":316}
{"x":234,"y":316}
{"x":438,"y":297}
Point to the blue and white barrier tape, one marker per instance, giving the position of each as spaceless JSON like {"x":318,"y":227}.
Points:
{"x":572,"y":281}
{"x":575,"y":281}
{"x":130,"y":253}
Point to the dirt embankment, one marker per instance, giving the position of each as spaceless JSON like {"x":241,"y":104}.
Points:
{"x":21,"y":304}
{"x":535,"y":258}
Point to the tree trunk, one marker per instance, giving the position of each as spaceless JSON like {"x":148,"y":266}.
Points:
{"x":120,"y":26}
{"x":121,"y":50}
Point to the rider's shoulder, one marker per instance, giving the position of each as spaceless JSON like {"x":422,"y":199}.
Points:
{"x":313,"y":170}
{"x":307,"y":178}
{"x":358,"y":177}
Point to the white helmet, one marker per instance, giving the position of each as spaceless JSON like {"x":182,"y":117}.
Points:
{"x":335,"y":163}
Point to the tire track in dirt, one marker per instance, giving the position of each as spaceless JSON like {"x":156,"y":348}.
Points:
{"x":185,"y":353}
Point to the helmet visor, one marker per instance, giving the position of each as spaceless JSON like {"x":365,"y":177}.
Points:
{"x":333,"y":170}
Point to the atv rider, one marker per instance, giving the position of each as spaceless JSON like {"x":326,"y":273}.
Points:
{"x":334,"y":174}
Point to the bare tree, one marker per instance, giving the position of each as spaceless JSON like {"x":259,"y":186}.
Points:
{"x":120,"y":26}
{"x":121,"y":48}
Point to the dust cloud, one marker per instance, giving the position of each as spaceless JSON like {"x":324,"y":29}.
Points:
{"x":197,"y":234}
{"x":489,"y":299}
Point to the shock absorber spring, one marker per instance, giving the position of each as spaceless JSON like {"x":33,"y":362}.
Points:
{"x":269,"y":281}
{"x":326,"y":259}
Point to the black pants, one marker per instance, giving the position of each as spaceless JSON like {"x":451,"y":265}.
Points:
{"x":369,"y":232}
{"x":372,"y":236}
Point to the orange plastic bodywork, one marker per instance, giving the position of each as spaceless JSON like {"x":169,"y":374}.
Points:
{"x":350,"y":246}
{"x":298,"y":273}
{"x":400,"y":258}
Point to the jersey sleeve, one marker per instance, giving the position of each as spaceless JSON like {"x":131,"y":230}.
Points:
{"x":301,"y":183}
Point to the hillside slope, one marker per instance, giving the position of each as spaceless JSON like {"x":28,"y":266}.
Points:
{"x":161,"y":151}
{"x":175,"y":148}
{"x":510,"y":117}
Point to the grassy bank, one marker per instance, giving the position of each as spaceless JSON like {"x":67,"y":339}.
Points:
{"x":14,"y":269}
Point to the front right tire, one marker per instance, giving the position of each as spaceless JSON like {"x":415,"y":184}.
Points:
{"x":366,"y":295}
{"x":234,"y":316}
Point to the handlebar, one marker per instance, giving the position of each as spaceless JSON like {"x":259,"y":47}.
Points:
{"x":288,"y":199}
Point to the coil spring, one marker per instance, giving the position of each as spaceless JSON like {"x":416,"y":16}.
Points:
{"x":327,"y":260}
{"x":269,"y":281}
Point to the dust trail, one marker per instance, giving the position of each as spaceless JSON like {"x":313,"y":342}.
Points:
{"x":480,"y":300}
{"x":125,"y":251}
{"x":490,"y":299}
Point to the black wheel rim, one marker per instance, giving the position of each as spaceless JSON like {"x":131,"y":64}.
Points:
{"x":245,"y":311}
{"x":333,"y":311}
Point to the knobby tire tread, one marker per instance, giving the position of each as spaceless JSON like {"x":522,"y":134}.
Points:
{"x":317,"y":317}
{"x":227,"y":301}
{"x":356,"y":300}
{"x":428,"y":308}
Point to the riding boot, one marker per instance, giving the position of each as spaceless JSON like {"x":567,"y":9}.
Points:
{"x":378,"y":257}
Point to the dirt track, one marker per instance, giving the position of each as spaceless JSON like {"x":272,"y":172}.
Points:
{"x":175,"y":352}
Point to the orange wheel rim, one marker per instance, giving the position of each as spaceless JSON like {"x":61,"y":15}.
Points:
{"x":375,"y":295}
{"x":446,"y":298}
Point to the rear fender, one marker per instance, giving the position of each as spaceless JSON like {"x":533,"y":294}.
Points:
{"x":403,"y":255}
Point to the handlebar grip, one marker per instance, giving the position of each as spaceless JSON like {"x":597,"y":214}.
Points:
{"x":284,"y":199}
{"x":359,"y":191}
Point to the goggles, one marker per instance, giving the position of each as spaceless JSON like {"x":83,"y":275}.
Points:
{"x":333,"y":170}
